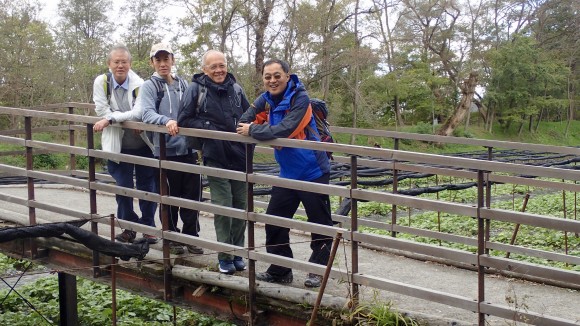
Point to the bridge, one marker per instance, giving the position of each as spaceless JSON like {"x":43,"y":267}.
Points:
{"x":473,"y":283}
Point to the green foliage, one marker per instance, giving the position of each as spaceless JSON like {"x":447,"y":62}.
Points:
{"x":424,"y":128}
{"x":379,"y":313}
{"x":524,"y":80}
{"x":47,"y":161}
{"x":94,"y":304}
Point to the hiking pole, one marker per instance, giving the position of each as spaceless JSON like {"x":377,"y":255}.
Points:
{"x":513,"y":240}
{"x":335,"y":243}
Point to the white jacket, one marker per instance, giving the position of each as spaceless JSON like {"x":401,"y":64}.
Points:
{"x":112,"y":136}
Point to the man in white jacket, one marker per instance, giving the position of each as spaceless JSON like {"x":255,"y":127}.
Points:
{"x":114,"y":95}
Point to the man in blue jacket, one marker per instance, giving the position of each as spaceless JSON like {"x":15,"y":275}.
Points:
{"x":283,"y":111}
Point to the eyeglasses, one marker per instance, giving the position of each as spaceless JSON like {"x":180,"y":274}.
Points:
{"x":217,"y":66}
{"x":275,"y":76}
{"x":120,"y":63}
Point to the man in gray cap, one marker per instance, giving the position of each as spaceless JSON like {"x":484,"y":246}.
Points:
{"x":161,"y":99}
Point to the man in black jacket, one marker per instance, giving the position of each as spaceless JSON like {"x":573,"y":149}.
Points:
{"x":214,"y":101}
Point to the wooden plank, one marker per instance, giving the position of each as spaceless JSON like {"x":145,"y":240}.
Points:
{"x":420,"y":203}
{"x":574,"y":260}
{"x":550,"y":273}
{"x":407,"y":245}
{"x":547,"y":222}
{"x":416,"y":291}
{"x":524,"y":316}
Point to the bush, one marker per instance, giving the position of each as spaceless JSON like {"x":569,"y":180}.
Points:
{"x":46,"y":161}
{"x":424,"y":128}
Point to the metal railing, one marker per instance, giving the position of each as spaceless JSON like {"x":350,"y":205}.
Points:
{"x":483,"y":172}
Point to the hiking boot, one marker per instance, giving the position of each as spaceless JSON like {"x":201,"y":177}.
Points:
{"x":193,"y":249}
{"x":176,"y":248}
{"x":227,"y":266}
{"x":267,"y":277}
{"x":151,"y":239}
{"x":239,"y":263}
{"x":126,"y":236}
{"x":313,"y":280}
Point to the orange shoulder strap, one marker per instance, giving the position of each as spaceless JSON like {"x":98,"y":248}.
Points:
{"x":299,"y":132}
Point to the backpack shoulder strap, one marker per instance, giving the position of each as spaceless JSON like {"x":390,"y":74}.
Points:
{"x":201,"y":97}
{"x":135,"y":93}
{"x":160,"y":93}
{"x":108,"y":85}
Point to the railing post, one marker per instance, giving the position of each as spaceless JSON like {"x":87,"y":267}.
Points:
{"x":113,"y":276}
{"x":67,"y":295}
{"x":395,"y":186}
{"x":480,"y":248}
{"x":488,"y":197}
{"x":354,"y":227}
{"x":251,"y":237}
{"x":164,"y":212}
{"x":71,"y":142}
{"x":30,"y":182}
{"x":93,"y":196}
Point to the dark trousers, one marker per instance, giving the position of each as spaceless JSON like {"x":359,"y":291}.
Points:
{"x":284,"y":202}
{"x":145,"y":179}
{"x":188,"y":186}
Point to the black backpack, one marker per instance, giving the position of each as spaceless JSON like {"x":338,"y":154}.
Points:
{"x":161,"y":91}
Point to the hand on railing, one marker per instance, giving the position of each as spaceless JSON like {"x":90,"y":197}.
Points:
{"x":100,"y":125}
{"x":172,"y":127}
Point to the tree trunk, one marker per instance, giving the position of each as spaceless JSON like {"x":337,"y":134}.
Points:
{"x":539,"y":119}
{"x":264,"y":8}
{"x":571,"y":113}
{"x":356,"y":84}
{"x":398,"y":117}
{"x":467,"y":90}
{"x":467,"y":119}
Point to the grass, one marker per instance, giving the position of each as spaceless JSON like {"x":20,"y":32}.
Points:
{"x":549,"y":133}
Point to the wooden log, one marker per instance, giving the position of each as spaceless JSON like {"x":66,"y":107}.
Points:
{"x":238,"y":283}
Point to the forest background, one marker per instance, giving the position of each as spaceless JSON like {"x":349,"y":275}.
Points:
{"x":379,"y":63}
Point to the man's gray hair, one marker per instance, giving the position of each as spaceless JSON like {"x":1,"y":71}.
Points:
{"x":208,"y":52}
{"x":119,"y":47}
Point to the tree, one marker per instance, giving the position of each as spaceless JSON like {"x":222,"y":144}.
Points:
{"x":524,"y":81}
{"x":28,"y":56}
{"x":142,"y":31}
{"x":557,"y":30}
{"x":84,"y":37}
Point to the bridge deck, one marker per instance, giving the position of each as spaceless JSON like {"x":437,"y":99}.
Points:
{"x":548,"y":300}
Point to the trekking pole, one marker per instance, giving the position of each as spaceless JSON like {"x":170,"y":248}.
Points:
{"x":335,"y":243}
{"x":513,"y":240}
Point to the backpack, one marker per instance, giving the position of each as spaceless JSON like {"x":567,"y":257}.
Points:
{"x":196,"y":142}
{"x":202,"y":94}
{"x":161,"y":91}
{"x":108,"y":85}
{"x":319,"y":113}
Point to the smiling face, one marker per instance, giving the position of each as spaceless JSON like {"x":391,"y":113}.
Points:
{"x":162,"y":62}
{"x":120,"y":64}
{"x":215,"y":67}
{"x":275,"y":79}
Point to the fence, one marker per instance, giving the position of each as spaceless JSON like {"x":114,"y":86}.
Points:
{"x":483,"y":172}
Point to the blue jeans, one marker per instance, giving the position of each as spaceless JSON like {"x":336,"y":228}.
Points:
{"x":145,"y":180}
